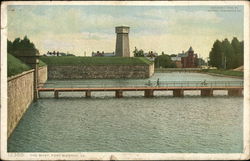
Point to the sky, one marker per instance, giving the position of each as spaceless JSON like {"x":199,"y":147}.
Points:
{"x":80,"y":29}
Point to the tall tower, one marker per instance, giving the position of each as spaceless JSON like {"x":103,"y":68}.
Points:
{"x":122,"y":41}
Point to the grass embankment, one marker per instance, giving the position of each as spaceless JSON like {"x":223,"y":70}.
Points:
{"x":16,"y":66}
{"x":73,"y":60}
{"x":224,"y":72}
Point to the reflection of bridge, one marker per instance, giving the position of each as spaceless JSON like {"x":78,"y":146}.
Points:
{"x":234,"y":88}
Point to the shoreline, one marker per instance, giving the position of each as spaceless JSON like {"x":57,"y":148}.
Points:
{"x":199,"y":71}
{"x":221,"y":75}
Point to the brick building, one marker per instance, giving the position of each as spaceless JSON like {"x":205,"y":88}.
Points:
{"x":186,"y":59}
{"x":190,"y":60}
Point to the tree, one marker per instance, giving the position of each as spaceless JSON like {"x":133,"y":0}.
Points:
{"x":164,"y":61}
{"x":227,"y":55}
{"x":238,"y":49}
{"x":139,"y":53}
{"x":9,"y":46}
{"x":21,"y":47}
{"x":229,"y":59}
{"x":215,"y":55}
{"x":173,"y":55}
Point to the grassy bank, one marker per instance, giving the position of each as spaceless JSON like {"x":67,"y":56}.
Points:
{"x":16,"y":66}
{"x":73,"y":60}
{"x":41,"y":63}
{"x":224,"y":72}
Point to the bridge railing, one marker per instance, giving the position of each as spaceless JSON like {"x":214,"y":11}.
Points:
{"x":145,"y":83}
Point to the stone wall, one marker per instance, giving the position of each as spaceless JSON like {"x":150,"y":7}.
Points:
{"x":20,"y":95}
{"x":42,"y":75}
{"x":100,"y":72}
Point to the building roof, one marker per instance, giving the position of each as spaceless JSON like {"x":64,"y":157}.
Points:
{"x":123,"y":26}
{"x":176,"y":58}
{"x":190,"y":49}
{"x":182,"y":55}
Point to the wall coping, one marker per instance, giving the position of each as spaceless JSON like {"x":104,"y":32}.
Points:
{"x":23,"y":73}
{"x":20,"y":75}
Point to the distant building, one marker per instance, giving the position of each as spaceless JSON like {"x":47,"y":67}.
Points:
{"x":53,"y":54}
{"x":103,"y":54}
{"x":151,"y":55}
{"x":177,"y":61}
{"x":190,"y":60}
{"x":186,"y":59}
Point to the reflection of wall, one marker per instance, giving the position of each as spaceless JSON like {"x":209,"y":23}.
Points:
{"x":20,"y":95}
{"x":100,"y":71}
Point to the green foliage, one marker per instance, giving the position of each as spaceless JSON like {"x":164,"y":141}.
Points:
{"x":41,"y":63}
{"x":164,"y":61}
{"x":76,"y":60}
{"x":21,"y":47}
{"x":15,"y":66}
{"x":224,"y":72}
{"x":139,"y":53}
{"x":226,"y":55}
{"x":215,"y":55}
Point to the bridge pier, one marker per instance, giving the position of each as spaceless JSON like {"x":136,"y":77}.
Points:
{"x":178,"y":92}
{"x":206,"y":92}
{"x":234,"y":92}
{"x":118,"y":94}
{"x":88,"y":94}
{"x":56,"y":94}
{"x":149,"y":93}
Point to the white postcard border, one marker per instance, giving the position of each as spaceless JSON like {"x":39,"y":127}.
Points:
{"x":123,"y":155}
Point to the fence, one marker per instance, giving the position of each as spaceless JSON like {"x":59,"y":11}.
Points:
{"x":149,"y":83}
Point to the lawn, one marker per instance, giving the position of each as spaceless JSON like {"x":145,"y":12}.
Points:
{"x":224,"y":72}
{"x":16,"y":66}
{"x":74,"y":60}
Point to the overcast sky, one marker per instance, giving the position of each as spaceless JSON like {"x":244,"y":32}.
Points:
{"x":171,"y":29}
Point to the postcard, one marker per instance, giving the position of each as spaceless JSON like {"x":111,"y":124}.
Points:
{"x":125,"y":80}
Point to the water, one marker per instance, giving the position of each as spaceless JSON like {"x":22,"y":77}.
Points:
{"x":133,"y":124}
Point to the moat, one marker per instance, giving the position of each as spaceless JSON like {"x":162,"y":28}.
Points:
{"x":192,"y":124}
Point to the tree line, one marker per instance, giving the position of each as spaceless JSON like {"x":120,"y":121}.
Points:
{"x":21,"y":47}
{"x":227,"y":55}
{"x":160,"y":61}
{"x":26,"y":47}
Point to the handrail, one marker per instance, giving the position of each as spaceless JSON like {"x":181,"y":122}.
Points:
{"x":147,"y":84}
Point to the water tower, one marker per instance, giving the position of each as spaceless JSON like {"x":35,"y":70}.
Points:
{"x":122,"y":41}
